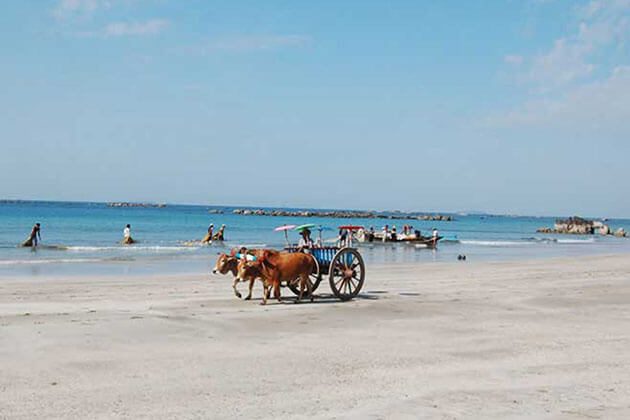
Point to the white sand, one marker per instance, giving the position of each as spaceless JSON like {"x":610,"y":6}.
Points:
{"x":528,"y":339}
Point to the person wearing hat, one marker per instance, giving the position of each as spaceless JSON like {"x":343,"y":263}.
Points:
{"x":306,"y":242}
{"x":385,"y":233}
{"x":208,"y":238}
{"x":220,"y":236}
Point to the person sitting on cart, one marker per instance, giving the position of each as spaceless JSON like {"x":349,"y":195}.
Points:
{"x":306,"y":242}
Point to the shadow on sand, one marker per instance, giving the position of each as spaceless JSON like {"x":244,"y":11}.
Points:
{"x":320,"y":299}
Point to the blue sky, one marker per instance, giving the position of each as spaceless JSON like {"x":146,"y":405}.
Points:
{"x":502,"y":106}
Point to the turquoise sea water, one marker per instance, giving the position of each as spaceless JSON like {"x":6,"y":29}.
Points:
{"x":89,"y":233}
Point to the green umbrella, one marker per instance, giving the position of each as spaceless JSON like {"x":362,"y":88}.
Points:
{"x":308,"y":226}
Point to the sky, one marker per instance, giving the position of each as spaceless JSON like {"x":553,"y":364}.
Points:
{"x":504,"y":106}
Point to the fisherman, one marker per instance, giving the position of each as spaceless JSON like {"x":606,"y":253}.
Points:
{"x":371,"y":234}
{"x":34,"y":238}
{"x":394,"y":236}
{"x":127,"y":239}
{"x":434,"y":237}
{"x":208,"y":238}
{"x":220,"y":235}
{"x":385,"y":233}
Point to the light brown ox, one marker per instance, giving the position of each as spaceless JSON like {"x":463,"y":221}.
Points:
{"x":276,"y":267}
{"x":229,"y":264}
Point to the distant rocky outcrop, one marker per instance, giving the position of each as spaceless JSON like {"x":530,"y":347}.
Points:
{"x":126,"y":204}
{"x":342,"y":214}
{"x":579,"y":226}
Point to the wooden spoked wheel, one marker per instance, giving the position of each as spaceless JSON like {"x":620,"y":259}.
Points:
{"x":347,"y":273}
{"x":315,"y":278}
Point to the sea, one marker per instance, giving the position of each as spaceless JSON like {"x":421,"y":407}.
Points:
{"x":84,"y":238}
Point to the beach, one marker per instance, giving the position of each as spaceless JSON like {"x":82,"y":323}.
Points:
{"x":526,"y":339}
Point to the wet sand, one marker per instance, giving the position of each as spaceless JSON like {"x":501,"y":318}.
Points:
{"x":539,"y":339}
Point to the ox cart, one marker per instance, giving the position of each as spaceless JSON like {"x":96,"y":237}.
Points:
{"x":343,"y":266}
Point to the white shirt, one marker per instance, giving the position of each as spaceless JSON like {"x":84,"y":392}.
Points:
{"x":435,"y":233}
{"x":127,"y":232}
{"x":305,"y":243}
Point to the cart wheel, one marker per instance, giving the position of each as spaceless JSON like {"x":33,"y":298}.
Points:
{"x":315,"y":278}
{"x":347,"y":273}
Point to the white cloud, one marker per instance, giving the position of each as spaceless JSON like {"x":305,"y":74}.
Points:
{"x":251,"y":43}
{"x":591,"y":106}
{"x":600,"y":25}
{"x":564,"y":63}
{"x":150,"y":27}
{"x":583,"y":79}
{"x":71,"y":8}
{"x":513,"y":59}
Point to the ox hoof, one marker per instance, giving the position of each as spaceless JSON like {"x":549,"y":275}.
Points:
{"x":238,"y":295}
{"x":248,"y":297}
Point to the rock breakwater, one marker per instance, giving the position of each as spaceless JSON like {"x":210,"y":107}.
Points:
{"x":579,"y":226}
{"x":342,"y":214}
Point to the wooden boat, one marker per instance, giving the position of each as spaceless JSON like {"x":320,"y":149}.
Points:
{"x":425,"y":241}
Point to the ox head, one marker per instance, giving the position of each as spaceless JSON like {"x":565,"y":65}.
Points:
{"x":246,"y":270}
{"x":222,"y":266}
{"x":250,"y":266}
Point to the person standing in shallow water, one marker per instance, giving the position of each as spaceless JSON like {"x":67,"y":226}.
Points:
{"x":220,"y":235}
{"x":208,"y":238}
{"x":127,"y":239}
{"x":34,"y":238}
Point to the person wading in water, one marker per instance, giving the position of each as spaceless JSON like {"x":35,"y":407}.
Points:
{"x":127,"y":239}
{"x":34,"y":238}
{"x":208,"y":238}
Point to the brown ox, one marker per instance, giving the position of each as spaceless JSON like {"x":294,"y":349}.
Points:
{"x":275,"y":267}
{"x":229,"y":264}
